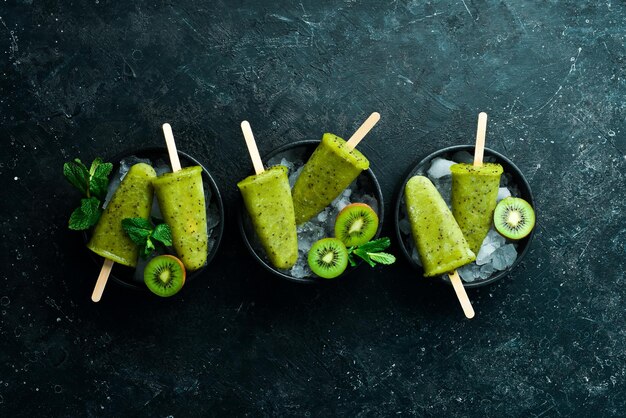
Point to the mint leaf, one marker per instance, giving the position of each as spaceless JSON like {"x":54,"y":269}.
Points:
{"x":376,"y":245}
{"x":382,"y":258}
{"x":371,"y":253}
{"x":85,"y":216}
{"x":145,"y":235}
{"x":99,"y":178}
{"x":163,"y":233}
{"x":94,"y":164}
{"x":76,"y":173}
{"x":138,"y":229}
{"x":364,"y":255}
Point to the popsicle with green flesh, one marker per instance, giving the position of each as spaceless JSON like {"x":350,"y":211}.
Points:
{"x":267,"y":197}
{"x":181,"y":198}
{"x":132,"y":199}
{"x":334,"y":164}
{"x":474,"y":194}
{"x":437,"y":236}
{"x":330,"y":169}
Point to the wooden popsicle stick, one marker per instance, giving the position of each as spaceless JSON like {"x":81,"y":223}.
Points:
{"x":363,"y":130}
{"x":481,"y":132}
{"x":171,"y":147}
{"x":105,"y":271}
{"x":468,"y":310}
{"x":252,"y":148}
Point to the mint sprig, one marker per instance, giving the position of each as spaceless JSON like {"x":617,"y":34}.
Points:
{"x":86,"y":215}
{"x":99,"y":178}
{"x":372,"y":252}
{"x":147,"y":236}
{"x":93,"y":184}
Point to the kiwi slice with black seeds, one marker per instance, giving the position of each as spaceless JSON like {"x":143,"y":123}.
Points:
{"x":514,"y":218}
{"x":328,"y":258}
{"x":356,"y":224}
{"x":164,"y":275}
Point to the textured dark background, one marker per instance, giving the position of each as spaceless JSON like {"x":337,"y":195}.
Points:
{"x":94,"y":78}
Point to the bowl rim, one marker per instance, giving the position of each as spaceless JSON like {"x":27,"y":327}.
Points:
{"x":215,"y":194}
{"x":521,"y":182}
{"x":307,"y":280}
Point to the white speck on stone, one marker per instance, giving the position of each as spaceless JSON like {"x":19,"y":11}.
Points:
{"x":16,"y":178}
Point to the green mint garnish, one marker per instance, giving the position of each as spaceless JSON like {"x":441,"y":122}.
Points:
{"x":86,"y":215}
{"x":99,"y":178}
{"x":372,"y":252}
{"x":92,"y":183}
{"x":146,"y":236}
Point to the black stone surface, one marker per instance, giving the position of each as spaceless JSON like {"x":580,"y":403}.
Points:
{"x":94,"y":78}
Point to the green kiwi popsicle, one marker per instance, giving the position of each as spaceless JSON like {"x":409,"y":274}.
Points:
{"x":474,"y":194}
{"x":437,"y":236}
{"x":181,"y":199}
{"x":267,"y":198}
{"x":132,"y":199}
{"x":330,"y":169}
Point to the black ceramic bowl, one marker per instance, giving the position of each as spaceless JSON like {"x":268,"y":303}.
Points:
{"x":301,"y":151}
{"x":158,"y":156}
{"x":510,"y":170}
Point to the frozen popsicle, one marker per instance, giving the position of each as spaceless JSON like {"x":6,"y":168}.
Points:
{"x":181,"y":199}
{"x":437,"y":236}
{"x":474,"y":194}
{"x":132,"y":199}
{"x":331,"y":168}
{"x":267,"y":198}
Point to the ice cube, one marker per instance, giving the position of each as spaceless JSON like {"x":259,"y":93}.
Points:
{"x":494,"y":238}
{"x":484,"y":254}
{"x":287,"y":164}
{"x":294,"y":176}
{"x":439,"y":167}
{"x":486,"y":271}
{"x":503,"y":193}
{"x":341,"y":203}
{"x":213,"y":217}
{"x":161,"y":167}
{"x":469,"y":272}
{"x":300,"y":270}
{"x":504,"y":257}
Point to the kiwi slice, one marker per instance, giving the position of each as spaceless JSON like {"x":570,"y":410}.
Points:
{"x":328,"y":258}
{"x":164,"y":275}
{"x":356,"y":224}
{"x":514,"y":218}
